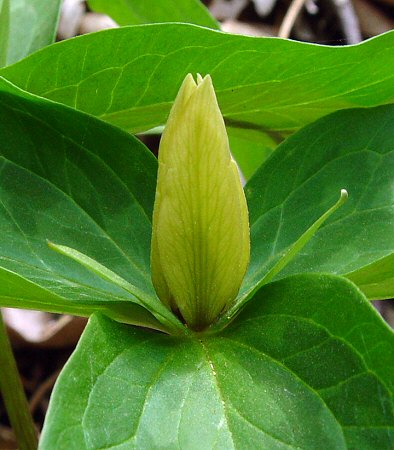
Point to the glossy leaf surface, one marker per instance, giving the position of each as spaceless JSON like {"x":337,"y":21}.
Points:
{"x":376,"y":280}
{"x":135,"y":12}
{"x":300,"y":181}
{"x":284,"y":375}
{"x":71,"y":179}
{"x":138,"y":297}
{"x":250,"y":149}
{"x":130,"y":76}
{"x":33,"y":25}
{"x":4,"y":30}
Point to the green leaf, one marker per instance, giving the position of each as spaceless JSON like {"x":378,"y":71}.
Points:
{"x":130,"y":76}
{"x":4,"y":30}
{"x":299,"y":182}
{"x":33,"y":25}
{"x":72,"y":179}
{"x":283,"y":375}
{"x":282,"y":262}
{"x":135,"y":12}
{"x":300,"y":243}
{"x":15,"y":288}
{"x":250,"y":148}
{"x":18,"y":292}
{"x":376,"y":280}
{"x":140,"y":298}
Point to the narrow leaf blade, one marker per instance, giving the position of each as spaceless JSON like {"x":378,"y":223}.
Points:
{"x":286,"y":257}
{"x":150,"y":303}
{"x":300,"y":243}
{"x":19,"y":292}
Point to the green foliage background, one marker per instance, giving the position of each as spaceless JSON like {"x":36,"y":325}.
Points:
{"x":308,"y":362}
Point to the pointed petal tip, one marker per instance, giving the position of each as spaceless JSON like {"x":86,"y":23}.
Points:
{"x":207,"y":80}
{"x":205,"y":88}
{"x":201,"y":79}
{"x":189,"y":81}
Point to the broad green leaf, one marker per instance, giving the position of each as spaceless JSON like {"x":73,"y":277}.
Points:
{"x":299,"y":182}
{"x":284,"y":375}
{"x":4,"y":30}
{"x":376,"y":280}
{"x":135,"y":12}
{"x":250,"y":148}
{"x":130,"y":76}
{"x":200,"y":229}
{"x":71,"y":179}
{"x":33,"y":25}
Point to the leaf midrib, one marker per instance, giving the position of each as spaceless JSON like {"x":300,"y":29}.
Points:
{"x":284,"y":367}
{"x":62,"y":277}
{"x":168,"y":358}
{"x":211,"y":367}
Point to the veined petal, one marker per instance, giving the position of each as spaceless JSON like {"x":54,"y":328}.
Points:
{"x":200,"y":243}
{"x":158,"y":278}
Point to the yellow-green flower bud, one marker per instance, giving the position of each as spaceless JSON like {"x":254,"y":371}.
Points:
{"x":200,"y":242}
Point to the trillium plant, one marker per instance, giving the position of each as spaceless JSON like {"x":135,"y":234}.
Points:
{"x":220,"y":316}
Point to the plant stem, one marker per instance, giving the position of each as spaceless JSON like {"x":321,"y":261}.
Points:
{"x":290,"y":18}
{"x":14,"y":396}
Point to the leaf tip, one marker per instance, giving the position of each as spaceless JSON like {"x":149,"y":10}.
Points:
{"x":344,"y":195}
{"x":342,"y":199}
